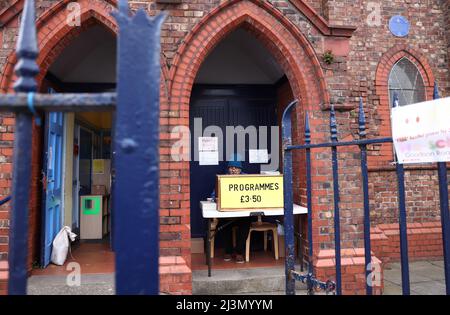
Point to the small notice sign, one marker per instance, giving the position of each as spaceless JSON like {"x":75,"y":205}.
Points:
{"x":421,"y":132}
{"x":208,"y":158}
{"x":208,"y":151}
{"x":250,"y":192}
{"x":208,"y":144}
{"x":98,"y":166}
{"x":258,"y":156}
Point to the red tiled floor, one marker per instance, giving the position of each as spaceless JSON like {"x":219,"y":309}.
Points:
{"x":257,"y":259}
{"x":92,"y":257}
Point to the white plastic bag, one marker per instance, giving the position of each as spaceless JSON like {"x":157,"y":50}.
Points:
{"x":61,"y":245}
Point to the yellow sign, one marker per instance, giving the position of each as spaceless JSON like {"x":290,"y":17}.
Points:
{"x":249,"y":192}
{"x":98,"y":166}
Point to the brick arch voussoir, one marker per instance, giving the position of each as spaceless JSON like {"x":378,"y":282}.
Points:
{"x":276,"y":37}
{"x":54,"y":35}
{"x":393,"y":55}
{"x":387,"y":61}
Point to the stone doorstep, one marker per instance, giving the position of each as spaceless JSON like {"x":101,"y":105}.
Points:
{"x":241,"y":281}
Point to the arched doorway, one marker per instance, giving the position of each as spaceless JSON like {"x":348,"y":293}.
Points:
{"x":76,"y":157}
{"x":238,"y":97}
{"x":284,"y":42}
{"x":238,"y":85}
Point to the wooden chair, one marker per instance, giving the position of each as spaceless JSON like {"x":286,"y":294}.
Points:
{"x":265,"y":227}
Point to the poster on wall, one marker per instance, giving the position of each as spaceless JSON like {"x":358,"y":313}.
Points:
{"x":209,"y":158}
{"x":208,"y":144}
{"x":98,"y":166}
{"x":208,"y":148}
{"x":421,"y":132}
{"x":258,"y":156}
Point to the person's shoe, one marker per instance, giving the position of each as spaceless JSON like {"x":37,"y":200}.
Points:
{"x":240,"y":259}
{"x":227,"y":257}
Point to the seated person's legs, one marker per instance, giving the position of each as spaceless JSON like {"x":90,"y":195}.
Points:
{"x":227,"y":239}
{"x":243,"y":225}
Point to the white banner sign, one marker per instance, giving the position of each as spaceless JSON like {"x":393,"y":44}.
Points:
{"x":421,"y":132}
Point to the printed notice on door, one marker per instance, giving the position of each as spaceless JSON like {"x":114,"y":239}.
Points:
{"x":208,"y":148}
{"x":421,"y":132}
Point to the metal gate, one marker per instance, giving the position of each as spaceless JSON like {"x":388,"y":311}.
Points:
{"x":331,"y":286}
{"x":136,"y":136}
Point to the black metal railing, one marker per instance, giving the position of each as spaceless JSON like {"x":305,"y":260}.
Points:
{"x":336,"y":287}
{"x":5,"y":200}
{"x":136,"y":143}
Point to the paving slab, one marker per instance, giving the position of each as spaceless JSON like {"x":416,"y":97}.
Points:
{"x":428,"y":288}
{"x":92,"y":284}
{"x":426,"y":278}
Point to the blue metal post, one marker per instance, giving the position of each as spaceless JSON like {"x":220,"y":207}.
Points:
{"x":402,"y":222}
{"x":309,"y":204}
{"x":337,"y":226}
{"x":136,"y":199}
{"x":26,"y":70}
{"x":365,"y":183}
{"x":445,"y":216}
{"x":288,"y":201}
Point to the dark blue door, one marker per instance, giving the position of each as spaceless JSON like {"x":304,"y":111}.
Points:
{"x":225,"y":106}
{"x":53,"y":175}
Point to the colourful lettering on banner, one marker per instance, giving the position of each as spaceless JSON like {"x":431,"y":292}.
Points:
{"x":421,"y":132}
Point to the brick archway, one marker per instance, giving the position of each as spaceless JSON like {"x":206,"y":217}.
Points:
{"x":387,"y":62}
{"x":281,"y":38}
{"x":54,"y":34}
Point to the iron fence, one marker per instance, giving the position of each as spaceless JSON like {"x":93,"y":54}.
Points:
{"x":136,"y":142}
{"x":336,"y":287}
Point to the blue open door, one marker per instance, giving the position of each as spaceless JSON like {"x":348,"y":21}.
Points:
{"x":53,"y":168}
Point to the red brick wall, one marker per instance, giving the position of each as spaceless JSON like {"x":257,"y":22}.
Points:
{"x":6,"y":137}
{"x":297,"y":40}
{"x":421,"y":192}
{"x":424,"y":241}
{"x":353,"y":271}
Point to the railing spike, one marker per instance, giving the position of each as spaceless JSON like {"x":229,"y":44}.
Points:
{"x":123,"y":7}
{"x":361,"y":120}
{"x":333,"y":124}
{"x":307,"y":129}
{"x":27,"y":51}
{"x":435,"y":91}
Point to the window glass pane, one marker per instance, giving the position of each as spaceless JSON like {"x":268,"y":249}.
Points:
{"x":405,"y":79}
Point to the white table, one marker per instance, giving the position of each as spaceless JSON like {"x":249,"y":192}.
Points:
{"x":210,"y":212}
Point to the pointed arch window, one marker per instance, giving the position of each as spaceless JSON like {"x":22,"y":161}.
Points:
{"x":406,"y":80}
